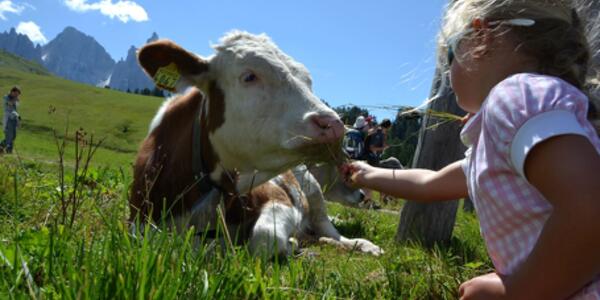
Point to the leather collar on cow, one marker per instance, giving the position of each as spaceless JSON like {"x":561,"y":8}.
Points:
{"x":213,"y":194}
{"x":200,"y":169}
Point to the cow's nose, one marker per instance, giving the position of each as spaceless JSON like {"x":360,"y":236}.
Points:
{"x":329,"y":127}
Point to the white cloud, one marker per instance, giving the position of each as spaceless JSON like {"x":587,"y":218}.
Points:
{"x":33,"y":31}
{"x":7,"y":6}
{"x":29,"y":6}
{"x":124,"y":10}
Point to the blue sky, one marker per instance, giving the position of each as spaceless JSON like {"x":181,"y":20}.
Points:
{"x":368,"y":53}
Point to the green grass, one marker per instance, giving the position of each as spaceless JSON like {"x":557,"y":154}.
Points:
{"x":99,"y":258}
{"x":50,"y":104}
{"x":8,"y":60}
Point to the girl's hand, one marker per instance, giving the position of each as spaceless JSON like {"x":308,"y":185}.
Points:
{"x":489,"y":286}
{"x":354,"y":173}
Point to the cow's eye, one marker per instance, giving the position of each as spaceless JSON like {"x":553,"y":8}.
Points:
{"x":249,"y":77}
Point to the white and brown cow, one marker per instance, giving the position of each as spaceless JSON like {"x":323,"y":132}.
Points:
{"x":257,"y":117}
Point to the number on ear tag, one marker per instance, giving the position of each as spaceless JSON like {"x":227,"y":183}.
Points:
{"x":166,"y":77}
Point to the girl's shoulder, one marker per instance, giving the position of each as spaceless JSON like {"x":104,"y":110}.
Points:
{"x":533,"y":84}
{"x":535,"y":93}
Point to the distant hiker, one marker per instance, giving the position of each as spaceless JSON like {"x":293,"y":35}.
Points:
{"x":375,"y":145}
{"x":354,"y":140}
{"x":371,"y":124}
{"x":10,"y":120}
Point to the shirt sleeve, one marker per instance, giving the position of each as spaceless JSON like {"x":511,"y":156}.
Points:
{"x":538,"y":129}
{"x":527,"y":109}
{"x":464,"y":163}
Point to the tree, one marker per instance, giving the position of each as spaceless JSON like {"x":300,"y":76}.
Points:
{"x":350,"y":113}
{"x":156,"y":92}
{"x":439,"y":145}
{"x":403,"y":136}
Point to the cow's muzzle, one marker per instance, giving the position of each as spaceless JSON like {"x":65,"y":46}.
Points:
{"x":325,"y":128}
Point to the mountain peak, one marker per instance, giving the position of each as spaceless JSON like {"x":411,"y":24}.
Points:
{"x":72,"y":31}
{"x":70,"y":28}
{"x":77,"y":56}
{"x":20,"y":44}
{"x":132,"y":51}
{"x":153,"y":38}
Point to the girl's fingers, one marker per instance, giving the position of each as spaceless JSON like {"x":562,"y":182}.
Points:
{"x":347,"y":170}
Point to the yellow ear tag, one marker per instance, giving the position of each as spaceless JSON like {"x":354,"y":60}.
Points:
{"x":166,"y":77}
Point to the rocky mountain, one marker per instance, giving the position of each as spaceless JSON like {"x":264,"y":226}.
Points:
{"x":128,"y":75}
{"x":20,"y":45}
{"x":76,"y":56}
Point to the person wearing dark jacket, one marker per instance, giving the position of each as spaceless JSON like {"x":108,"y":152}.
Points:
{"x":375,"y":144}
{"x":10,"y":120}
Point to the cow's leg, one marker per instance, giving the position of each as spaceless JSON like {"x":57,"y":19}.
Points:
{"x":275,"y":225}
{"x":324,"y":229}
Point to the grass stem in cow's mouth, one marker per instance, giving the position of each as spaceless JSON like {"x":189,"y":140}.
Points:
{"x":322,"y":152}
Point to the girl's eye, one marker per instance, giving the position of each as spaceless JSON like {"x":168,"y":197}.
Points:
{"x":249,"y":77}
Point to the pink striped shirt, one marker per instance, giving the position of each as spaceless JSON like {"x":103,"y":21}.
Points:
{"x":519,"y":112}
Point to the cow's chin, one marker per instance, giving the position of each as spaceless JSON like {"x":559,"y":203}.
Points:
{"x":303,"y":154}
{"x":321,"y":152}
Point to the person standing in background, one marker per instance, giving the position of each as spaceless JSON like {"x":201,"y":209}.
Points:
{"x":11,"y":118}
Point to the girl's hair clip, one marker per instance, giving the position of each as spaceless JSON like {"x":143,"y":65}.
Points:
{"x":514,"y":22}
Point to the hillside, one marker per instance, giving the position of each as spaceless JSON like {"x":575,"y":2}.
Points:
{"x":11,"y":61}
{"x":50,"y":103}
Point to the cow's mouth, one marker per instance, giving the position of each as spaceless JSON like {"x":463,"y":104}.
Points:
{"x":324,"y":152}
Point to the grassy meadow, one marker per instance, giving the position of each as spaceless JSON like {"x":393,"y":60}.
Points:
{"x":65,"y":236}
{"x":51,"y":105}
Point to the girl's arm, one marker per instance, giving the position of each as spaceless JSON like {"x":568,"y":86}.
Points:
{"x":414,"y":184}
{"x":565,"y":170}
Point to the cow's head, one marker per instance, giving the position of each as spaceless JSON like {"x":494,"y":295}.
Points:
{"x":263,"y":115}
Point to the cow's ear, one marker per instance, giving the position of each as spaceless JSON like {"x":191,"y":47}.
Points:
{"x":164,"y":60}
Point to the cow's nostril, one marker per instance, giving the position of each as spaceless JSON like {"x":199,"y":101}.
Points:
{"x":325,"y":122}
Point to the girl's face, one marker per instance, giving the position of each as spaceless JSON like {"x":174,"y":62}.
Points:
{"x":464,"y":76}
{"x":481,"y":60}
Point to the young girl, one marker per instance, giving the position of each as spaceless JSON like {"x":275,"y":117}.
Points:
{"x":533,"y":164}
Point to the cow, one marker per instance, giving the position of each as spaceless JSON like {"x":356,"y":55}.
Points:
{"x":241,"y":117}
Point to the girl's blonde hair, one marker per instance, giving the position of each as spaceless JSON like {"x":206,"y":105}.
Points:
{"x":562,"y":38}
